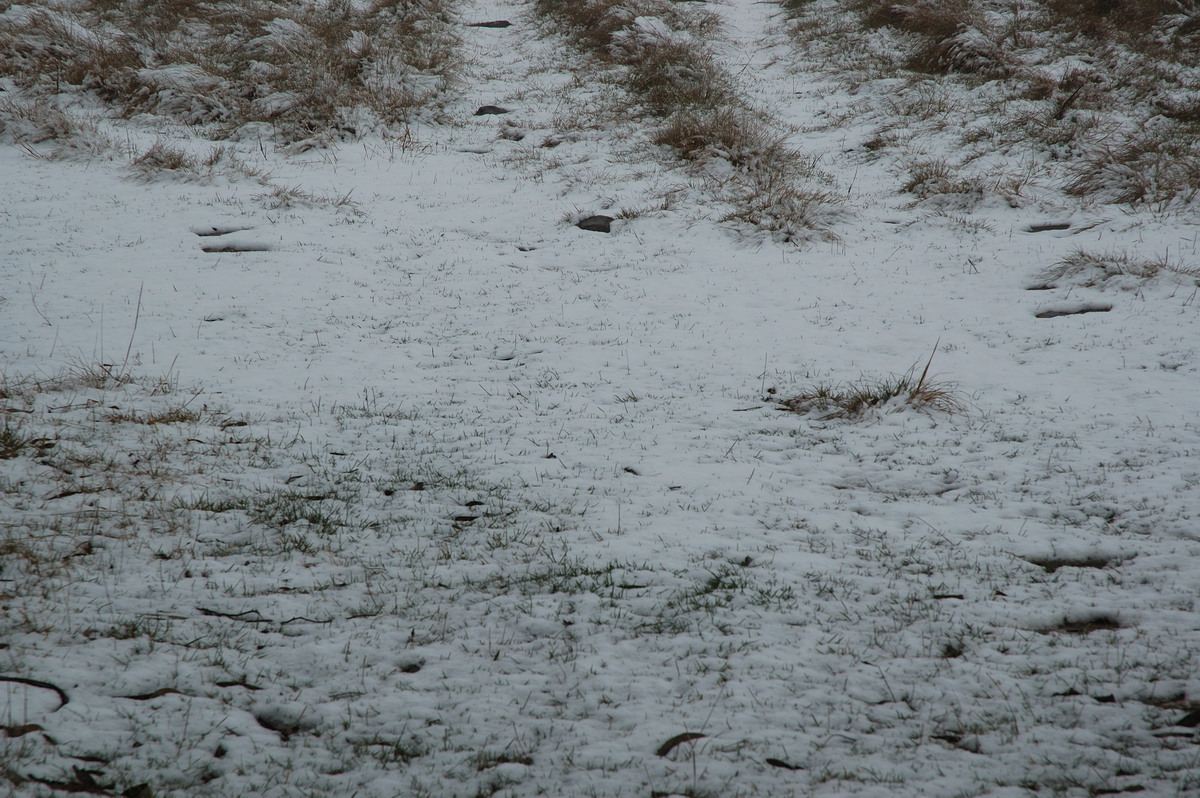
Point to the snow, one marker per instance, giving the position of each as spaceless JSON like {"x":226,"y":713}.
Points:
{"x":479,"y":503}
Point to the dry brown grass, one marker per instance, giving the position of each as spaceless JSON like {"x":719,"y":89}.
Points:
{"x":1158,"y":165}
{"x":669,"y":75}
{"x":669,"y":72}
{"x":935,"y":176}
{"x":937,"y":182}
{"x":670,"y":65}
{"x":30,"y":122}
{"x":943,"y":36}
{"x":598,"y":24}
{"x":174,"y":414}
{"x":855,"y":399}
{"x":299,"y":69}
{"x":161,"y":156}
{"x":730,"y":133}
{"x":1107,"y":19}
{"x":1100,"y":93}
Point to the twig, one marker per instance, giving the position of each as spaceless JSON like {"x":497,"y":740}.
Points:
{"x":236,"y":616}
{"x":678,"y":740}
{"x":33,"y":301}
{"x":258,"y":617}
{"x":302,"y":618}
{"x":63,"y":698}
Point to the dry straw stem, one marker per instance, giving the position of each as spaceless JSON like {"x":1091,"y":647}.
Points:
{"x":854,"y":399}
{"x":301,"y":69}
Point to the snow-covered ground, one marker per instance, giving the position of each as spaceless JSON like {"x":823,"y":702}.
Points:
{"x":452,"y":498}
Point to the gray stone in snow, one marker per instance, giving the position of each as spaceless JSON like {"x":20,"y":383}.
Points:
{"x":597,"y":223}
{"x":490,"y":110}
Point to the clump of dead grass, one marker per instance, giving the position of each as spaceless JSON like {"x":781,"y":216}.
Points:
{"x":786,"y":209}
{"x":31,"y":123}
{"x":857,"y":398}
{"x":175,"y":414}
{"x":936,"y":177}
{"x":771,"y":187}
{"x":27,"y":123}
{"x":942,"y":37}
{"x":731,"y":133}
{"x":935,"y":182}
{"x":13,"y":439}
{"x":669,"y":65}
{"x":598,"y":24}
{"x":1158,"y":165}
{"x":294,"y":70}
{"x":1090,"y":269}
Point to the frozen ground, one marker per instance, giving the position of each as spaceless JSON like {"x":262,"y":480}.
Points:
{"x":431,"y":493}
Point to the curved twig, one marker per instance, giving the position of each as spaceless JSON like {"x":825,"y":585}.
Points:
{"x":677,"y":740}
{"x":63,"y":698}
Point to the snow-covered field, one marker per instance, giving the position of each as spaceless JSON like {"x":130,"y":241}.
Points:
{"x":391,"y":481}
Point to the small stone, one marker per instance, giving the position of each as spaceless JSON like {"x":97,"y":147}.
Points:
{"x":598,"y":224}
{"x":490,"y":110}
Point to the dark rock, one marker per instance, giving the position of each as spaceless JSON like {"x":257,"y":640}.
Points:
{"x":495,"y":23}
{"x":245,"y":246}
{"x":1074,"y":310}
{"x":1191,"y":720}
{"x":490,"y":110}
{"x":597,"y":224}
{"x":1043,"y":227}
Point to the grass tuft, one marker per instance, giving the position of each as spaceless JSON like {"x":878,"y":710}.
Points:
{"x":1158,"y":165}
{"x":175,"y":414}
{"x":13,"y":440}
{"x":855,"y":399}
{"x":1089,"y":269}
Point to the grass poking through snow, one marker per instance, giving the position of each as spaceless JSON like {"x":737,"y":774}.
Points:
{"x":854,"y":399}
{"x":264,"y":69}
{"x":1099,"y":96}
